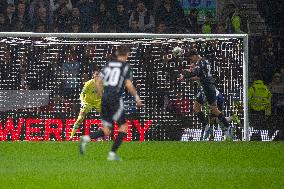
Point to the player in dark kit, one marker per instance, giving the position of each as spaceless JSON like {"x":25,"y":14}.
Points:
{"x":200,"y":69}
{"x":212,"y":119}
{"x":116,"y":75}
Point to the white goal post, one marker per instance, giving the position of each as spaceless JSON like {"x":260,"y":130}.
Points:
{"x":133,"y":36}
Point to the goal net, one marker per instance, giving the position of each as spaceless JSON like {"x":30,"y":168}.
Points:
{"x":42,"y":76}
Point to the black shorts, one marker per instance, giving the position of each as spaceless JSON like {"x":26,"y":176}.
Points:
{"x":201,"y":99}
{"x":112,"y":111}
{"x":208,"y":94}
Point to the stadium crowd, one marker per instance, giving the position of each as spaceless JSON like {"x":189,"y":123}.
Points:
{"x":161,"y":16}
{"x":149,"y":16}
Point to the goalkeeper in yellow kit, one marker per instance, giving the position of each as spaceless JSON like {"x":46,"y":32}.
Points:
{"x":90,"y":97}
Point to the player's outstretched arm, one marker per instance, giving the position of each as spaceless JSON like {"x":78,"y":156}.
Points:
{"x":132,"y":90}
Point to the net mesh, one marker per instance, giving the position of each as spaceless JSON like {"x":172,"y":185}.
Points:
{"x":62,"y":65}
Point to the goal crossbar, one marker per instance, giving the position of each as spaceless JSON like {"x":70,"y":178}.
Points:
{"x":118,"y":35}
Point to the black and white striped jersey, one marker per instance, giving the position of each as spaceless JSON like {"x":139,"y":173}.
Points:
{"x":114,"y":75}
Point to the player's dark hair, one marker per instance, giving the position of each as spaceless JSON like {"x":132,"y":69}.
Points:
{"x":122,"y":51}
{"x":95,"y":69}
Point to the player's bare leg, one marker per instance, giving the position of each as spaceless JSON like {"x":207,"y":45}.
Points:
{"x":215,"y":111}
{"x":105,"y":131}
{"x":197,"y":110}
{"x":122,"y":132}
{"x":79,"y":120}
{"x":221,"y":117}
{"x":201,"y":116}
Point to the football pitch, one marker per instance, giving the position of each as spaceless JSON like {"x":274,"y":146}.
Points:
{"x":145,"y":165}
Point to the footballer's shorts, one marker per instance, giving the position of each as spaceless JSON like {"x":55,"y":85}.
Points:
{"x":112,"y":111}
{"x":209,"y":91}
{"x":86,"y":108}
{"x":201,"y":98}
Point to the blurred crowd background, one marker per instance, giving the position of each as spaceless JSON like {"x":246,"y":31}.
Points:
{"x":262,"y":20}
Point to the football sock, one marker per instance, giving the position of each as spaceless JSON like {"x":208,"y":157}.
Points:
{"x":97,"y":134}
{"x":223,"y":119}
{"x":76,"y":125}
{"x":207,"y":132}
{"x":201,"y":117}
{"x":118,"y":141}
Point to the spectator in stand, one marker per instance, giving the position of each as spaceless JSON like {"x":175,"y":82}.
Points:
{"x":10,"y":77}
{"x":3,"y":5}
{"x":268,"y":40}
{"x":62,"y":19}
{"x":90,"y":59}
{"x":228,"y":14}
{"x":60,"y":4}
{"x":10,"y":16}
{"x":259,"y":97}
{"x":40,"y":28}
{"x":75,"y":15}
{"x":87,"y":8}
{"x":220,"y":29}
{"x":26,"y":2}
{"x":42,"y":17}
{"x":71,"y":69}
{"x":268,"y":67}
{"x":56,"y":73}
{"x":161,"y":28}
{"x":134,"y":27}
{"x":245,"y":26}
{"x":192,"y":21}
{"x":277,"y":90}
{"x":55,"y":29}
{"x":144,"y":19}
{"x":22,"y":15}
{"x":47,"y":72}
{"x":276,"y":81}
{"x":130,"y":6}
{"x":24,"y":80}
{"x":58,"y":105}
{"x":103,"y":16}
{"x":112,"y":28}
{"x":236,"y":21}
{"x":255,"y":65}
{"x":207,"y":26}
{"x":75,"y":27}
{"x":269,"y":43}
{"x":120,"y":18}
{"x":171,"y":13}
{"x":23,"y":60}
{"x":37,"y":70}
{"x":19,"y":26}
{"x":95,"y":27}
{"x":3,"y":25}
{"x":282,"y":74}
{"x":35,"y":5}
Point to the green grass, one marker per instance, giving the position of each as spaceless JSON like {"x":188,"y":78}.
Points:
{"x":145,"y":165}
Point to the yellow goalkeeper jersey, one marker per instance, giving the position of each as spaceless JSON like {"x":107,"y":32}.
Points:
{"x":89,"y":94}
